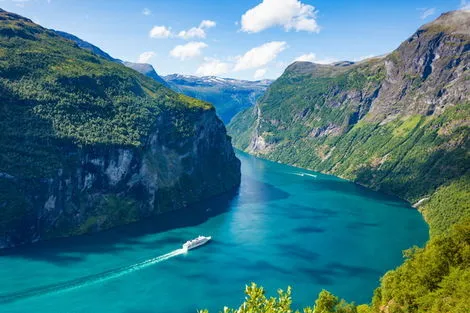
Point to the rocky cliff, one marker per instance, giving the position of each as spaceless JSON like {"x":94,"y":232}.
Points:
{"x":87,"y":144}
{"x":399,"y":123}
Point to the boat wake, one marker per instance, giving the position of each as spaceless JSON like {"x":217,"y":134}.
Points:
{"x":305,"y":174}
{"x":87,"y":280}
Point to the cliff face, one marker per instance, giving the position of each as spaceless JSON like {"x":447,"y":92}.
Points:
{"x":88,"y":144}
{"x":399,"y":123}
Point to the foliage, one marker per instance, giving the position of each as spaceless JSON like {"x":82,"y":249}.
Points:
{"x":448,"y":205}
{"x":84,"y":97}
{"x":257,"y":302}
{"x":433,"y":279}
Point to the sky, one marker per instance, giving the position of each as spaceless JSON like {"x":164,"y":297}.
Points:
{"x":244,"y":39}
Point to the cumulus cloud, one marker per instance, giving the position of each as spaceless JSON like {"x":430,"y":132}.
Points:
{"x":426,"y":12}
{"x":260,"y":55}
{"x":259,"y":73}
{"x":465,"y":5}
{"x":207,"y":24}
{"x":290,"y":14}
{"x":197,"y":32}
{"x":212,"y":67}
{"x":146,"y":11}
{"x":160,"y":32}
{"x":145,"y":56}
{"x":190,"y":50}
{"x":312,"y":57}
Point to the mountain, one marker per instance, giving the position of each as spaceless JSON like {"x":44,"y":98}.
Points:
{"x":86,"y":45}
{"x":143,"y":68}
{"x":229,"y":96}
{"x":147,"y":70}
{"x":88,"y":144}
{"x":398,"y":123}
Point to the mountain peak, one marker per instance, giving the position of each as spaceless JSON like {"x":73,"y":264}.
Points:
{"x":456,"y":22}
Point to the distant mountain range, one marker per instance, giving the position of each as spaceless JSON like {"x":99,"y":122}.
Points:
{"x":228,"y":95}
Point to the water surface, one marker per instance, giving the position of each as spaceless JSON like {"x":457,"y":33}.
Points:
{"x":284,"y":226}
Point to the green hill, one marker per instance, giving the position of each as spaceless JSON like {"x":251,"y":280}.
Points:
{"x":89,"y":144}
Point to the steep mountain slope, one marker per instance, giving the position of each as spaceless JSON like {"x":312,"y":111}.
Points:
{"x":143,"y":68}
{"x":88,"y":144}
{"x":399,"y":123}
{"x":229,"y":96}
{"x":86,"y":45}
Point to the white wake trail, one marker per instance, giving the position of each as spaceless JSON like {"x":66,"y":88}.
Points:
{"x":87,"y":280}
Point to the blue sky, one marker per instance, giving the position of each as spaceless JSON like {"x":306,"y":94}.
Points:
{"x":245,"y":39}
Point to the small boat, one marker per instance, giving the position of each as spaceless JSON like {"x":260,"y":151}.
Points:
{"x":199,"y":241}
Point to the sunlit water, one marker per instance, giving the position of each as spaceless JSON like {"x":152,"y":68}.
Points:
{"x":284,"y":226}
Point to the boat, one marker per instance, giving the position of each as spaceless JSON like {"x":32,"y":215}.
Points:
{"x":199,"y":241}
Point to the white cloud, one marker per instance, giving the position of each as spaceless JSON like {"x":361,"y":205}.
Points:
{"x":190,"y":50}
{"x":146,"y":11}
{"x":312,"y":57}
{"x":160,"y":32}
{"x":194,"y":32}
{"x":464,"y":5}
{"x":260,"y":56}
{"x":207,"y":24}
{"x":426,"y":12}
{"x":259,"y":73}
{"x":145,"y":56}
{"x":291,"y":14}
{"x":212,"y":67}
{"x":197,"y":32}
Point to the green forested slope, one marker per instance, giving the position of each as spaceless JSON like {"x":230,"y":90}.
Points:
{"x":87,"y":143}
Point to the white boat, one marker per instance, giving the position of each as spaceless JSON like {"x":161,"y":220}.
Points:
{"x":199,"y":241}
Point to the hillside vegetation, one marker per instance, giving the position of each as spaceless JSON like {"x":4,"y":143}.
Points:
{"x":87,"y":143}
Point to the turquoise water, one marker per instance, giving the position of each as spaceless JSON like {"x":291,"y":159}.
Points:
{"x":283,"y":226}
